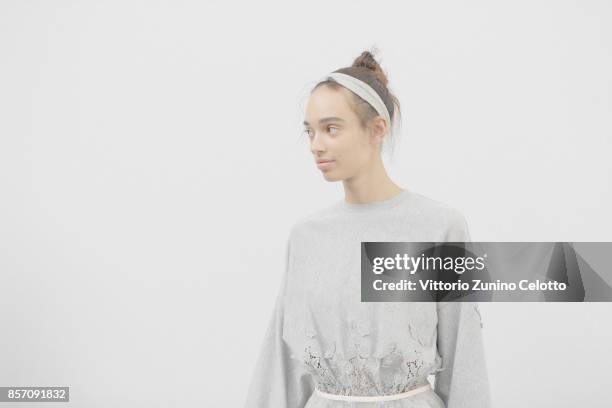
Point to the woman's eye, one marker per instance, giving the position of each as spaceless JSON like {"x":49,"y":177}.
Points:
{"x":331,"y":129}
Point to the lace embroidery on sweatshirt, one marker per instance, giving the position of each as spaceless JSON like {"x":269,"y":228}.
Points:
{"x":362,"y":373}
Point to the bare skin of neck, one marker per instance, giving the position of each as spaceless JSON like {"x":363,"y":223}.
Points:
{"x":371,"y":184}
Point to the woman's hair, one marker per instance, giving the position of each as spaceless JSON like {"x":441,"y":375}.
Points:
{"x":366,"y":68}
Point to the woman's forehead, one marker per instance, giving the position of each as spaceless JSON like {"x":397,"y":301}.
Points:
{"x":327,"y":103}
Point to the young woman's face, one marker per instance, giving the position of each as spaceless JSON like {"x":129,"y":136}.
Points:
{"x":335,"y":135}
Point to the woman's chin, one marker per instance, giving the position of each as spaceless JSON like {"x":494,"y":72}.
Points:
{"x":330,"y":176}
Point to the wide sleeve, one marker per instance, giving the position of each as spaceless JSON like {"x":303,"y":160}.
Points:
{"x":278,"y":381}
{"x":463,"y":381}
{"x":458,"y":230}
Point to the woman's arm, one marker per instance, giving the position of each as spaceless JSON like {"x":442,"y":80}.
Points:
{"x":463,"y":381}
{"x":278,"y":381}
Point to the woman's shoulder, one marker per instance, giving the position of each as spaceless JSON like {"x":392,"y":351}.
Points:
{"x":314,"y":219}
{"x":433,"y":207}
{"x":436,"y":215}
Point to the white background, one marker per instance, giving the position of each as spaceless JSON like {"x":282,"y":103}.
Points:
{"x":152,"y":163}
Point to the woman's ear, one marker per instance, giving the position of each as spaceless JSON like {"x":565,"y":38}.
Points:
{"x":378,"y":130}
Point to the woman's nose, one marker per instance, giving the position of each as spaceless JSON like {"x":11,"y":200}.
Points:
{"x":316,"y":145}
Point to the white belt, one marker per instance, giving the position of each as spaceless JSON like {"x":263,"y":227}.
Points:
{"x":363,"y":398}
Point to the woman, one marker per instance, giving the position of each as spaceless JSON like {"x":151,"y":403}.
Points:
{"x":323,"y":346}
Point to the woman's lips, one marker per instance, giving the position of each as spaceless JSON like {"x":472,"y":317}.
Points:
{"x":325,"y":164}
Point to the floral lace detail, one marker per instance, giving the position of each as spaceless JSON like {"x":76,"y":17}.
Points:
{"x":359,"y":360}
{"x":364,"y":375}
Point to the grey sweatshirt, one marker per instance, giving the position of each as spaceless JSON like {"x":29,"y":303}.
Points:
{"x":321,"y":335}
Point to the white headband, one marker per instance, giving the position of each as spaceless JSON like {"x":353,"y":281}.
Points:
{"x":364,"y":91}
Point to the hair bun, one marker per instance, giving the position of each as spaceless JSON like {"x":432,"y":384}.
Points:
{"x":367,"y":60}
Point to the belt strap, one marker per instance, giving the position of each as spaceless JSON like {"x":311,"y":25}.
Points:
{"x":368,"y":398}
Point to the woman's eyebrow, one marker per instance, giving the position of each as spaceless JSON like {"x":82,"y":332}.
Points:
{"x":328,"y":119}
